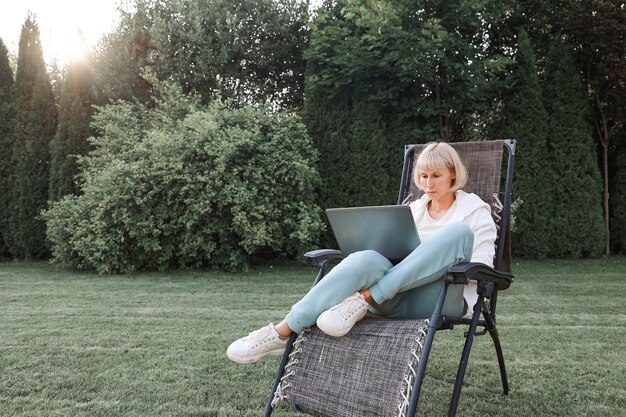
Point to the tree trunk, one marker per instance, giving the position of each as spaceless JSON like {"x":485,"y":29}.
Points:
{"x":603,"y":132}
{"x":605,"y":173}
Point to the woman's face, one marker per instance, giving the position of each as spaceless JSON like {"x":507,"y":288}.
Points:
{"x":436,"y":181}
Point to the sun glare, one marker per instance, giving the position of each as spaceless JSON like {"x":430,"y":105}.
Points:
{"x":68,"y":28}
{"x":66,"y":46}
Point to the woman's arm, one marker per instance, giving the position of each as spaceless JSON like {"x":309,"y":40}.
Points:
{"x":481,"y":223}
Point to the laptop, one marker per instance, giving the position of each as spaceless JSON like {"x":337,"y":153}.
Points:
{"x":389,"y":230}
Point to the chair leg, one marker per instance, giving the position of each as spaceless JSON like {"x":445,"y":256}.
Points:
{"x":493,"y":332}
{"x":279,"y":374}
{"x":433,"y":325}
{"x":281,"y":368}
{"x":458,"y":383}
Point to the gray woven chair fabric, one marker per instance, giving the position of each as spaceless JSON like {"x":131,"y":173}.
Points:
{"x":367,"y":373}
{"x":483,"y":161}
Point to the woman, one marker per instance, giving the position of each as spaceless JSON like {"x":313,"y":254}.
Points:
{"x":454,"y":227}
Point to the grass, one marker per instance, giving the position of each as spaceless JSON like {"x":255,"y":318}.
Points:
{"x":152,"y":344}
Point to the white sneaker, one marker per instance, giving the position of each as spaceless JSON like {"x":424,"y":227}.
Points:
{"x":338,"y":320}
{"x":257,"y":345}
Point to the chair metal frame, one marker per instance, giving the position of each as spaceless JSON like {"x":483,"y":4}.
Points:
{"x":489,"y":282}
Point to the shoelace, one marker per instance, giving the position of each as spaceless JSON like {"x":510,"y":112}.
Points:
{"x":258,"y":335}
{"x":350,"y":305}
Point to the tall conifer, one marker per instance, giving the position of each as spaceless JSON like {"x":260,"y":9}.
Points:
{"x":73,"y":129}
{"x":525,"y":119}
{"x":576,"y":225}
{"x":7,"y":123}
{"x":36,"y":123}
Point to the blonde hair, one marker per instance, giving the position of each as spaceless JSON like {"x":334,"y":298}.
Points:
{"x":441,"y":155}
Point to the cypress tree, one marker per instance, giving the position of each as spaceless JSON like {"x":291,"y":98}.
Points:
{"x":7,"y":123}
{"x":36,"y":123}
{"x":330,"y":131}
{"x":525,"y":119}
{"x":72,"y":131}
{"x":576,"y":225}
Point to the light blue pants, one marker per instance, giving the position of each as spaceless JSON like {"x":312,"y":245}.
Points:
{"x":408,"y":290}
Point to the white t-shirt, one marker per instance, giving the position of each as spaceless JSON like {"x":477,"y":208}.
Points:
{"x":427,"y":226}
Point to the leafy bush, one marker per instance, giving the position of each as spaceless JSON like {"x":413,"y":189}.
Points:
{"x":182,"y":185}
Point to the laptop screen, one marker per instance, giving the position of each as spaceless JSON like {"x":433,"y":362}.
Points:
{"x":389,"y":230}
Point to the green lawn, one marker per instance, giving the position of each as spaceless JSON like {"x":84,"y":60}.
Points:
{"x":152,"y":344}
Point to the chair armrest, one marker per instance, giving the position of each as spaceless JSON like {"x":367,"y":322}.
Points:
{"x":464,"y":272}
{"x":319,"y":256}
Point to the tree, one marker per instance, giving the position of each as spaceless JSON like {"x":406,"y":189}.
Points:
{"x":246,"y":51}
{"x":596,"y":30}
{"x":576,"y":226}
{"x":618,"y":205}
{"x":7,"y":124}
{"x":382,"y":74}
{"x":36,"y":123}
{"x":525,"y":119}
{"x":120,"y":56}
{"x":73,"y":130}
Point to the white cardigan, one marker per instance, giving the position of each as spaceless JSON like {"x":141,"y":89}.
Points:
{"x":474,"y":212}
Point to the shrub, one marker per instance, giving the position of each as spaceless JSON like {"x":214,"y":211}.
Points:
{"x":181,"y":185}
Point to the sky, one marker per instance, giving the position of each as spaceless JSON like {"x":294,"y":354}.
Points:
{"x":60,"y":23}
